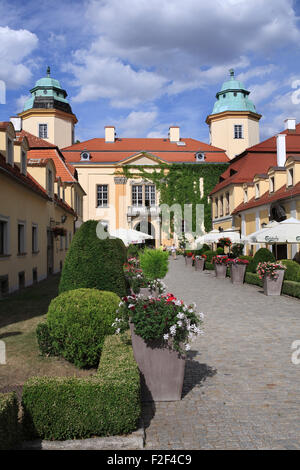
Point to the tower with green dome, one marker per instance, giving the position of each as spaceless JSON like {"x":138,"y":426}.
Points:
{"x":48,"y":114}
{"x":234,"y":121}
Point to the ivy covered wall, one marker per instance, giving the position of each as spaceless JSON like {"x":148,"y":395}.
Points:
{"x":180,"y":183}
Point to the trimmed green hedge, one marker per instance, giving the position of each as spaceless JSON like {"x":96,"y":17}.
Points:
{"x":209,"y":266}
{"x":291,"y":288}
{"x":292,"y":272}
{"x":92,"y":262}
{"x":252,"y":278}
{"x":105,"y":404}
{"x":9,"y":430}
{"x":263,"y":254}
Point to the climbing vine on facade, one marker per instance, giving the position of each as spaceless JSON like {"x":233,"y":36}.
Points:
{"x":182,"y":183}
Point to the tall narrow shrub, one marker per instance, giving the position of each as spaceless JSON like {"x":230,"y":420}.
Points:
{"x":154,"y":263}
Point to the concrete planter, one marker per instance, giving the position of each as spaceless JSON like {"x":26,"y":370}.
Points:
{"x":274,"y":286}
{"x":162,"y":368}
{"x":220,"y":270}
{"x":145,"y":292}
{"x":237,"y":273}
{"x":188,"y":261}
{"x":199,"y":264}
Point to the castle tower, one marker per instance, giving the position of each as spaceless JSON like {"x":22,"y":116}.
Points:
{"x":234,"y":122}
{"x":47,"y":113}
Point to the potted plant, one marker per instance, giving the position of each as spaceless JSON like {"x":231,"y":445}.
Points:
{"x":161,"y":329}
{"x":220,"y":263}
{"x":189,"y":258}
{"x":225,"y":241}
{"x":272,"y":275}
{"x":199,"y":262}
{"x":237,"y":269}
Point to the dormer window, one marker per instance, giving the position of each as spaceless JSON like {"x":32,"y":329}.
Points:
{"x":272,"y":184}
{"x":85,"y":156}
{"x":10,"y":155}
{"x":257,"y":192}
{"x":200,"y":157}
{"x":23,"y":162}
{"x":245,"y":196}
{"x":290,"y":177}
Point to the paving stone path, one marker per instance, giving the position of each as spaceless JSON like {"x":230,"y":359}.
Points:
{"x":241,"y":389}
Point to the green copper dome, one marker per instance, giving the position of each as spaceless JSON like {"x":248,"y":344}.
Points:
{"x":48,"y":93}
{"x":233,"y":97}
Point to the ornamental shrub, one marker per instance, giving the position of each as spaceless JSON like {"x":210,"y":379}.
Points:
{"x":9,"y":431}
{"x":44,"y":340}
{"x":105,"y":404}
{"x":262,"y":255}
{"x":93,"y":263}
{"x":237,"y":249}
{"x":209,"y":255}
{"x":220,"y":250}
{"x":121,"y":248}
{"x":154,"y":263}
{"x":292,"y":272}
{"x":132,"y":251}
{"x":78,"y":322}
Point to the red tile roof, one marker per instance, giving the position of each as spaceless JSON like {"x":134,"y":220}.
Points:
{"x":121,"y":149}
{"x":26,"y":180}
{"x":62,"y":169}
{"x":33,"y":141}
{"x":267,"y":197}
{"x":257,"y":159}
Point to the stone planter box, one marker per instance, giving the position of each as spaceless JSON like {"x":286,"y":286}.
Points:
{"x":237,"y":273}
{"x":273,"y":286}
{"x":162,"y":368}
{"x":220,"y":270}
{"x":188,"y":261}
{"x":199,"y":264}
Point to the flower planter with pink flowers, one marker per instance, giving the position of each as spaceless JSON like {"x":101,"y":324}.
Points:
{"x":220,"y":263}
{"x":161,"y":329}
{"x":237,"y":270}
{"x":272,"y":275}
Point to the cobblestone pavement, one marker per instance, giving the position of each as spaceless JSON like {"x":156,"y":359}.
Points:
{"x":241,"y":389}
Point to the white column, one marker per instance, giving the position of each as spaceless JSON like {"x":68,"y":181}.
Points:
{"x":294,"y":248}
{"x":257,"y":227}
{"x":243,"y":230}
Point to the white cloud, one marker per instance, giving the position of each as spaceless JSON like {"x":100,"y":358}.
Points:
{"x":15,"y":47}
{"x":144,"y":49}
{"x":20,"y":102}
{"x":262,"y":91}
{"x":137,"y":123}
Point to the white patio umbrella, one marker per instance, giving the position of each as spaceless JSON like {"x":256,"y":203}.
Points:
{"x":130,"y":236}
{"x":287,"y":231}
{"x":252,"y":237}
{"x":214,"y":236}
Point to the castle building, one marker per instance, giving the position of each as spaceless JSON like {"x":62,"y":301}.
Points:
{"x":234,"y":122}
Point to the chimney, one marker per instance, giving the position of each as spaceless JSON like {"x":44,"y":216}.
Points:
{"x":174,"y":133}
{"x":290,"y":124}
{"x":281,"y":149}
{"x":17,"y":123}
{"x":110,"y":133}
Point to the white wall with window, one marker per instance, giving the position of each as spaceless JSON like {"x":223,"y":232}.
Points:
{"x":43,"y":131}
{"x":238,"y":131}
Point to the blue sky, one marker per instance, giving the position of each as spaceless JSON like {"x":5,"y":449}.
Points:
{"x":143,"y":65}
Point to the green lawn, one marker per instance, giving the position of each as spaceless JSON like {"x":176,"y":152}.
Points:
{"x":19,"y":315}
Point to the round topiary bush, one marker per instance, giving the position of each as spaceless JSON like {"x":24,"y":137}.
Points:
{"x":209,"y":255}
{"x":92,"y":262}
{"x":154,"y":263}
{"x":262,"y":255}
{"x":78,"y":321}
{"x":292,"y":272}
{"x":220,"y":250}
{"x":121,"y":249}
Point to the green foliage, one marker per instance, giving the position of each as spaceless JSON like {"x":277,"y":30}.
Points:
{"x":121,"y":249}
{"x":292,"y":272}
{"x":220,"y":251}
{"x":252,"y":278}
{"x":132,"y":251}
{"x":179,"y":184}
{"x":209,"y":255}
{"x":44,"y":340}
{"x":209,"y":266}
{"x":291,"y":288}
{"x":93,"y":263}
{"x":72,"y":408}
{"x":78,"y":322}
{"x":262,"y":255}
{"x":154,"y":263}
{"x":237,"y":249}
{"x":9,"y":431}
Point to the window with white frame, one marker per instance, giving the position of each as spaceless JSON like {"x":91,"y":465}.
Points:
{"x":102,"y":195}
{"x":43,"y":131}
{"x":257,"y":191}
{"x":137,"y":195}
{"x":290,"y":176}
{"x":245,"y":195}
{"x":238,"y":131}
{"x":21,"y":238}
{"x":34,"y":238}
{"x":272,"y":184}
{"x":149,"y":195}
